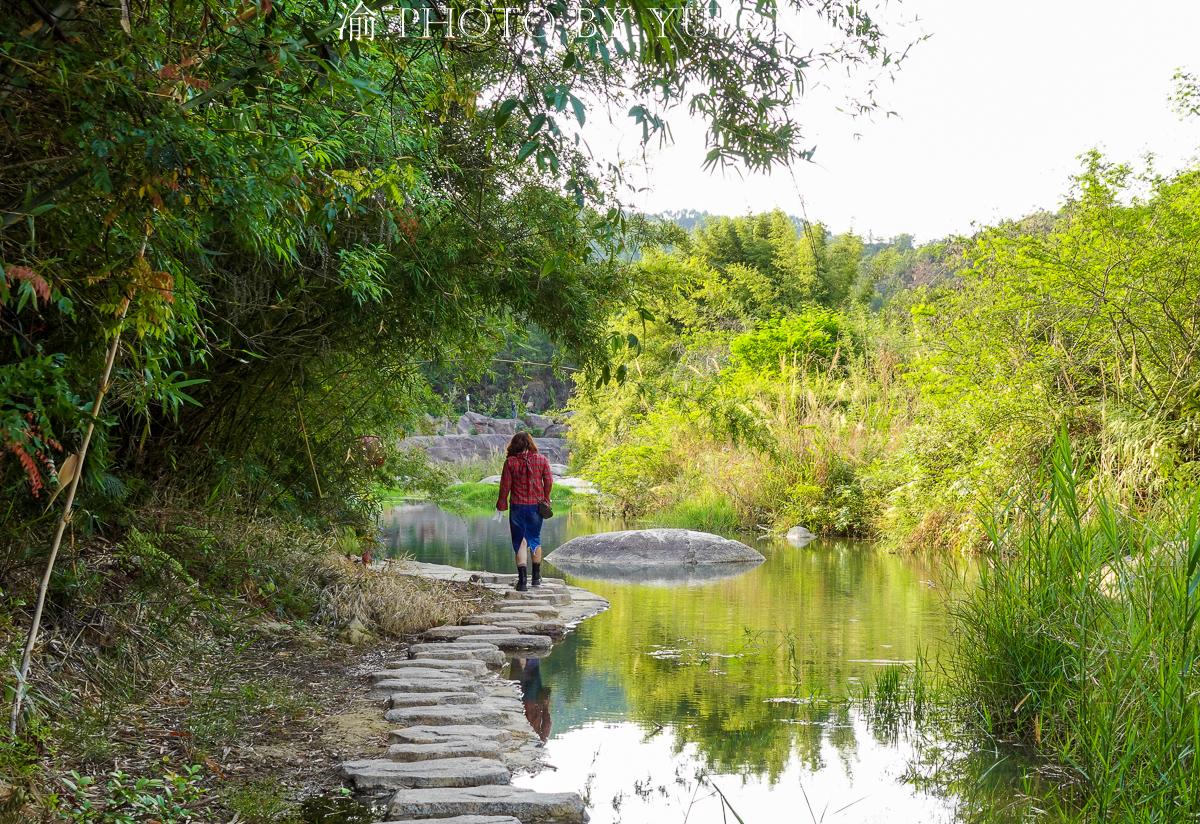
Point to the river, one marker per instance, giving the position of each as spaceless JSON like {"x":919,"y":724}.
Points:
{"x":691,"y":703}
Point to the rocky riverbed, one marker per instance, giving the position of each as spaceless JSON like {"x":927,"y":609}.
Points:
{"x":460,"y":730}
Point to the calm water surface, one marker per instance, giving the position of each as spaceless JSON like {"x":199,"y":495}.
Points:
{"x":679,"y":695}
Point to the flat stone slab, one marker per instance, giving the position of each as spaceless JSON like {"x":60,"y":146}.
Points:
{"x":385,"y":774}
{"x":555,"y":629}
{"x":429,"y":735}
{"x":636,"y":549}
{"x":386,"y":688}
{"x":467,"y":665}
{"x":528,"y":624}
{"x":526,"y":805}
{"x":450,"y":632}
{"x":499,"y":617}
{"x":453,"y":714}
{"x":431,"y":699}
{"x":488,"y":657}
{"x":798,"y":536}
{"x":446,"y":748}
{"x":528,"y":608}
{"x":428,"y":670}
{"x":547,"y":600}
{"x":448,"y":655}
{"x":433,"y":646}
{"x":462,"y":819}
{"x":516,"y":642}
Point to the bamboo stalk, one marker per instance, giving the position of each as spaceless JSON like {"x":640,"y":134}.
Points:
{"x":64,"y":519}
{"x":308,"y":449}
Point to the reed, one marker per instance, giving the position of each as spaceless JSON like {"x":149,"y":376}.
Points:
{"x":1081,"y":641}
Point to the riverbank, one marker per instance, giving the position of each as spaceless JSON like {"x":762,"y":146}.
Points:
{"x":210,"y":657}
{"x":461,"y":731}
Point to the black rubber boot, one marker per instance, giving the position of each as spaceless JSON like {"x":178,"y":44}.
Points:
{"x":521,"y":586}
{"x":537,"y":575}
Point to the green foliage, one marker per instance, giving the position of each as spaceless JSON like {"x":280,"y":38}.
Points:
{"x":815,"y":337}
{"x":126,"y":799}
{"x":745,"y":391}
{"x":291,"y":234}
{"x":1084,"y":320}
{"x":905,"y":421}
{"x":1080,"y":640}
{"x":291,"y":227}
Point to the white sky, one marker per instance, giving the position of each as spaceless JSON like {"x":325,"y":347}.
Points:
{"x":994,"y":110}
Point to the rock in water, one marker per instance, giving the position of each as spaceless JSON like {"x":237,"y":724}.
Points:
{"x":799,"y":536}
{"x":653,"y":548}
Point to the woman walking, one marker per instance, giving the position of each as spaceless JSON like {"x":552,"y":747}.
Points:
{"x":525,"y":484}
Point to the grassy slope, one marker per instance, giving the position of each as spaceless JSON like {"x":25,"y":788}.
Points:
{"x":199,"y":640}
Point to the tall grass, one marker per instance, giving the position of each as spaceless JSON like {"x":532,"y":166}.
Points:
{"x":1081,"y":641}
{"x":708,"y":513}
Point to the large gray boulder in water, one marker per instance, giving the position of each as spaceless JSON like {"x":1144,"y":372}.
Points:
{"x":655,"y":556}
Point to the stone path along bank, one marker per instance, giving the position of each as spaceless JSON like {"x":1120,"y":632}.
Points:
{"x":459,"y":729}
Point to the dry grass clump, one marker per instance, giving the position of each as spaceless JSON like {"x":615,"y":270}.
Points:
{"x":386,"y":600}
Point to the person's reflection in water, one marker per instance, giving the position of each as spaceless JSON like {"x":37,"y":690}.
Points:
{"x":534,"y":694}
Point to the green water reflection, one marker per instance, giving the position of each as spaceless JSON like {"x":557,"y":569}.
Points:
{"x":729,"y":662}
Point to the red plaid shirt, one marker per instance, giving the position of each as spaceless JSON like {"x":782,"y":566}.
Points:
{"x":526,"y":479}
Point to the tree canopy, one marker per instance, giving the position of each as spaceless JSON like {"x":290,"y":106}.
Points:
{"x":286,"y":221}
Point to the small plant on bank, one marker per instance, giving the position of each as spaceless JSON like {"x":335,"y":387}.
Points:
{"x":125,"y":799}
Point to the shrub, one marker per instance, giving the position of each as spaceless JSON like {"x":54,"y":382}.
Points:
{"x":815,"y":337}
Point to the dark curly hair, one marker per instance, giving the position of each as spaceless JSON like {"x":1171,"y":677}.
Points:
{"x":521,"y":442}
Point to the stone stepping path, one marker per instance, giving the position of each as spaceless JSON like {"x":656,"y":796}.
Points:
{"x":535,"y":596}
{"x":501,"y":618}
{"x":461,"y":730}
{"x":432,"y":669}
{"x":526,"y":623}
{"x":431,"y":646}
{"x":384,"y":690}
{"x":527,"y":608}
{"x":432,"y":735}
{"x":489,"y":658}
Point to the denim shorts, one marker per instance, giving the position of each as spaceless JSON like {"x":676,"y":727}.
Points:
{"x":525,"y":522}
